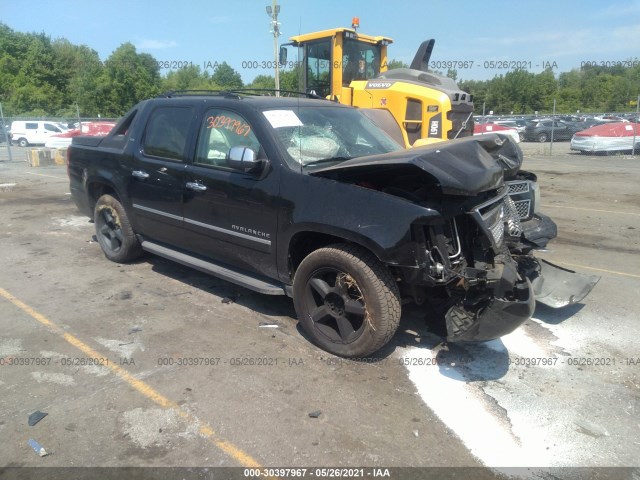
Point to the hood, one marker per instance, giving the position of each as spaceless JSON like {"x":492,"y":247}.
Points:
{"x":466,"y":166}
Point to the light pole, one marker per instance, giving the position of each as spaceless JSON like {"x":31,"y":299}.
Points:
{"x":273,"y":12}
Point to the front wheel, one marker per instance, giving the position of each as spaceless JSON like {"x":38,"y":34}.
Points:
{"x":542,"y":137}
{"x":23,"y":142}
{"x":114,"y":232}
{"x":346,"y":300}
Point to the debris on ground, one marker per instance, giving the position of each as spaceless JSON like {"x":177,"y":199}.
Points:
{"x":231,"y":298}
{"x":39,"y":449}
{"x":416,"y":433}
{"x":268,"y":325}
{"x":35,"y":417}
{"x":135,"y":330}
{"x":591,"y":429}
{"x":315,"y":414}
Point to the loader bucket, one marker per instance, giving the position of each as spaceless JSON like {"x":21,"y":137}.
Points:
{"x":558,"y":287}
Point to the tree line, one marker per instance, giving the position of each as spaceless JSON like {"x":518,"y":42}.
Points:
{"x":44,"y":77}
{"x":588,"y":89}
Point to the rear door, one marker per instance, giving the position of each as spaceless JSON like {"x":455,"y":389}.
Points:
{"x":157,"y":180}
{"x":230,"y":215}
{"x":561,"y":131}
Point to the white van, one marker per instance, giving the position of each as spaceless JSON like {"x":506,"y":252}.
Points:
{"x":26,"y":132}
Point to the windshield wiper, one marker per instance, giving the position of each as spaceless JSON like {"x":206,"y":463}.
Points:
{"x":327,"y":160}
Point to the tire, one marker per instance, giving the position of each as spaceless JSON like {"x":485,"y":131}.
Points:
{"x":346,"y":300}
{"x":114,"y":232}
{"x":542,"y":137}
{"x":23,"y":142}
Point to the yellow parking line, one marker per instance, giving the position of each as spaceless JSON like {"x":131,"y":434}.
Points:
{"x":145,"y":389}
{"x":590,"y":210}
{"x":43,"y":175}
{"x":614,"y":272}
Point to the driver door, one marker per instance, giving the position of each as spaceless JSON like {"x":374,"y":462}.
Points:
{"x":230,"y":215}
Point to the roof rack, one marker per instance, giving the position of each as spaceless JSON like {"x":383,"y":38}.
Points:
{"x":236,"y":92}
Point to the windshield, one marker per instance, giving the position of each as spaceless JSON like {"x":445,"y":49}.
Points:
{"x":321,"y":135}
{"x":360,"y":61}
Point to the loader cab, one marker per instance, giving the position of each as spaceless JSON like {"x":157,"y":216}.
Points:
{"x":351,"y":68}
{"x":332,"y":59}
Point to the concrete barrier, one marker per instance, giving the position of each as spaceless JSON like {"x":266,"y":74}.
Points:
{"x":39,"y":157}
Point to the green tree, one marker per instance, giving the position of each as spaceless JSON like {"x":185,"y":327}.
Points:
{"x":128,"y":77}
{"x":188,"y":78}
{"x":393,"y":64}
{"x":291,"y":80}
{"x":80,"y":67}
{"x":266,"y":82}
{"x":226,"y":77}
{"x":33,"y":81}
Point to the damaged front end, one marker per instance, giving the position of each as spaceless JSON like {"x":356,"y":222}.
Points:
{"x":474,"y":267}
{"x":484,"y":280}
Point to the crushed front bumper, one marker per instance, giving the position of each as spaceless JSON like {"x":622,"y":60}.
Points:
{"x":510,"y":298}
{"x":499,"y":318}
{"x":506,"y":305}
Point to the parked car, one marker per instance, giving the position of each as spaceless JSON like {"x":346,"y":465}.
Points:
{"x":91,"y":129}
{"x":607,"y":138}
{"x":309,"y":198}
{"x":485,"y":128}
{"x":519,"y":125}
{"x":35,"y":132}
{"x":541,"y":131}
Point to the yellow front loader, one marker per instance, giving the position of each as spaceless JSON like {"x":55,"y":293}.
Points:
{"x":350,"y":67}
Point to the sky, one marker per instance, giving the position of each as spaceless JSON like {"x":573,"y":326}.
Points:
{"x":494,"y":35}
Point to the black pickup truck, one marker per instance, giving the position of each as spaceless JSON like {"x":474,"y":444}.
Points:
{"x":312,"y":199}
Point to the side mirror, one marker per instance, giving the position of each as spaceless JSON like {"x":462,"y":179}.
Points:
{"x":282,"y":56}
{"x":243,"y":158}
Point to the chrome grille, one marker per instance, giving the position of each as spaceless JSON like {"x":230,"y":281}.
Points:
{"x":490,"y":217}
{"x":518,"y":187}
{"x":521,"y":192}
{"x":497,"y":229}
{"x":524,"y":208}
{"x":512,"y":217}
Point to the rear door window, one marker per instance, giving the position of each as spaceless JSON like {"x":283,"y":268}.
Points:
{"x":167,"y":132}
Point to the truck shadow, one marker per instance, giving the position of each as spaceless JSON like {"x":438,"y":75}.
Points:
{"x":223,"y":292}
{"x":555,"y":316}
{"x":422,"y":344}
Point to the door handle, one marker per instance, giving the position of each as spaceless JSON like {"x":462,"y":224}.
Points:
{"x":140,"y":174}
{"x":196,"y":187}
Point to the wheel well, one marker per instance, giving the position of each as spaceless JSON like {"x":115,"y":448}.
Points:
{"x":303,"y":243}
{"x":97,"y":189}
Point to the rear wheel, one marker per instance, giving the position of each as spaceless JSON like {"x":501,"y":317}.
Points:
{"x":114,"y":232}
{"x":346,"y":300}
{"x":542,"y":137}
